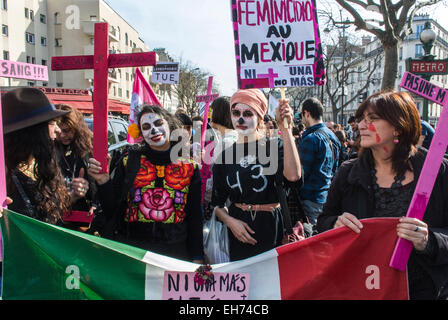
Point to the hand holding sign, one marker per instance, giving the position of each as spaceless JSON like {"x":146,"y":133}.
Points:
{"x":284,"y":114}
{"x":79,"y":186}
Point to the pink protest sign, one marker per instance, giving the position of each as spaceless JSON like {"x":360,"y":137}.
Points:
{"x":225,"y":286}
{"x":431,"y":166}
{"x":20,"y":70}
{"x":208,"y":98}
{"x":277,"y":44}
{"x":424,"y":88}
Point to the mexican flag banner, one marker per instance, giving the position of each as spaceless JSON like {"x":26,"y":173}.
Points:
{"x":43,"y":261}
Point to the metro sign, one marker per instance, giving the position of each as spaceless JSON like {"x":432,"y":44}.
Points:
{"x":435,"y":67}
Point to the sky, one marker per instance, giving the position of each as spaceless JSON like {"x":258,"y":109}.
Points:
{"x":199,"y":32}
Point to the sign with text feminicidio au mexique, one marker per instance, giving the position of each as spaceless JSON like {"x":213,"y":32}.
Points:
{"x":277,"y":43}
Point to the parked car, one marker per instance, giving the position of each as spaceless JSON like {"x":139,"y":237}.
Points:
{"x":117,"y":136}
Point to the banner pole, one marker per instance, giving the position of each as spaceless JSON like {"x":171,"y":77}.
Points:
{"x":282,"y":94}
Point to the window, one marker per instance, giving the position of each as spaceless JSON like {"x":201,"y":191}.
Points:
{"x":418,"y":50}
{"x":93,"y":18}
{"x":44,"y":84}
{"x":419,"y":30}
{"x":28,"y":59}
{"x":43,"y":18}
{"x":32,"y":15}
{"x":56,"y":18}
{"x":58,"y":42}
{"x":29,"y":37}
{"x":5,"y":55}
{"x":120,"y":130}
{"x":4,"y":4}
{"x":4,"y":30}
{"x":59,"y":84}
{"x":30,"y":84}
{"x":43,"y":41}
{"x":111,"y":136}
{"x":126,"y":38}
{"x":401,"y":53}
{"x":127,"y":94}
{"x":33,"y":60}
{"x":44,"y":62}
{"x":27,"y":15}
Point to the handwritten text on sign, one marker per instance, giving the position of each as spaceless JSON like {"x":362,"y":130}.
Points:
{"x":277,"y":41}
{"x":424,"y":88}
{"x":20,"y":70}
{"x":225,"y":286}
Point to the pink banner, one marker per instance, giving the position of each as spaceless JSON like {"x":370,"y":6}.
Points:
{"x":432,"y":163}
{"x":20,"y":70}
{"x":224,"y":286}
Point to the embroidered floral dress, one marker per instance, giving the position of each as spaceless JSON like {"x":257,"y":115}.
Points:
{"x":161,"y":210}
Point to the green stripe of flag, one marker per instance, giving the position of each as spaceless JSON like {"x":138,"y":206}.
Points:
{"x":43,"y":261}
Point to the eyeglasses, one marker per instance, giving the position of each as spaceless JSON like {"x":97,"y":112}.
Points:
{"x":370,"y":118}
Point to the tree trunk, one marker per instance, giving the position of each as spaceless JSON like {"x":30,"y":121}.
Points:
{"x":390,"y":65}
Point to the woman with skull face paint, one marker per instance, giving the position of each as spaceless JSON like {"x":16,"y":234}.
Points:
{"x":247,"y":174}
{"x":155,"y":199}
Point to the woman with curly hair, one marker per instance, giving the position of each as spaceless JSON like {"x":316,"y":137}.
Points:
{"x":34,"y":180}
{"x":153,"y":201}
{"x":74,"y":146}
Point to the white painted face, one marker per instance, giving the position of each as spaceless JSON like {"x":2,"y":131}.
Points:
{"x":244,"y":119}
{"x":155,"y":129}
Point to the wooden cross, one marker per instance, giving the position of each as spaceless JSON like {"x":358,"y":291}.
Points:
{"x":100,"y":62}
{"x":208,"y":98}
{"x":432,"y":163}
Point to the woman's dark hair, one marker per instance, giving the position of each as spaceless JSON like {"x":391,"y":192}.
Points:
{"x":82,"y":140}
{"x":221,"y":112}
{"x":341,"y":136}
{"x":274,"y":123}
{"x":35,"y":142}
{"x":397,"y":108}
{"x":173,"y":121}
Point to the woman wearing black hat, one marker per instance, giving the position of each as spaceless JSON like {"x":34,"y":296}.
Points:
{"x":34,"y":180}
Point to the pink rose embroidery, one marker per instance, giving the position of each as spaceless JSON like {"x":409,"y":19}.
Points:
{"x":156,"y":205}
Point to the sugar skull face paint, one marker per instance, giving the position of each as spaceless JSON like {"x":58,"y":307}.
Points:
{"x":244,"y":119}
{"x":155,"y":130}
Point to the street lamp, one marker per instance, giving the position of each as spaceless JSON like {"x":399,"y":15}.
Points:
{"x":427,"y":38}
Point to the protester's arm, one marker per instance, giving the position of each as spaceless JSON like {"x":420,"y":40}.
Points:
{"x":292,"y":169}
{"x":240,"y":229}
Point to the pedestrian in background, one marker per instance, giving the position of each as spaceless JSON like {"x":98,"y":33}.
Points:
{"x":381,"y":183}
{"x":319,"y":155}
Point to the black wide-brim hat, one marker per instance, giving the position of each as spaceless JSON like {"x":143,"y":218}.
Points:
{"x":26,"y":107}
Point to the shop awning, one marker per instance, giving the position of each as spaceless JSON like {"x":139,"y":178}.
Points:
{"x":84,"y":102}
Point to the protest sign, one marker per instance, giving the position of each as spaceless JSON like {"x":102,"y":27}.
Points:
{"x":20,"y":70}
{"x":277,"y":43}
{"x":224,"y":286}
{"x":432,"y":164}
{"x":166,"y":72}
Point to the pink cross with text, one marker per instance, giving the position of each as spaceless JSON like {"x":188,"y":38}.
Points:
{"x":101,"y":61}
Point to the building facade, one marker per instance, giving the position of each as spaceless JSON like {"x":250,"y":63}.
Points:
{"x":33,"y":31}
{"x":365,"y":72}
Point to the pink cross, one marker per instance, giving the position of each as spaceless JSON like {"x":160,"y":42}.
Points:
{"x":100,"y":62}
{"x":209,"y":97}
{"x":270,"y":75}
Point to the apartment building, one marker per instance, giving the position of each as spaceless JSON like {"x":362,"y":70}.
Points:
{"x":411,"y":47}
{"x":35,"y":30}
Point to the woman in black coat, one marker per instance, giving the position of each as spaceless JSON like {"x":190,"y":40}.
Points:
{"x":381,"y":183}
